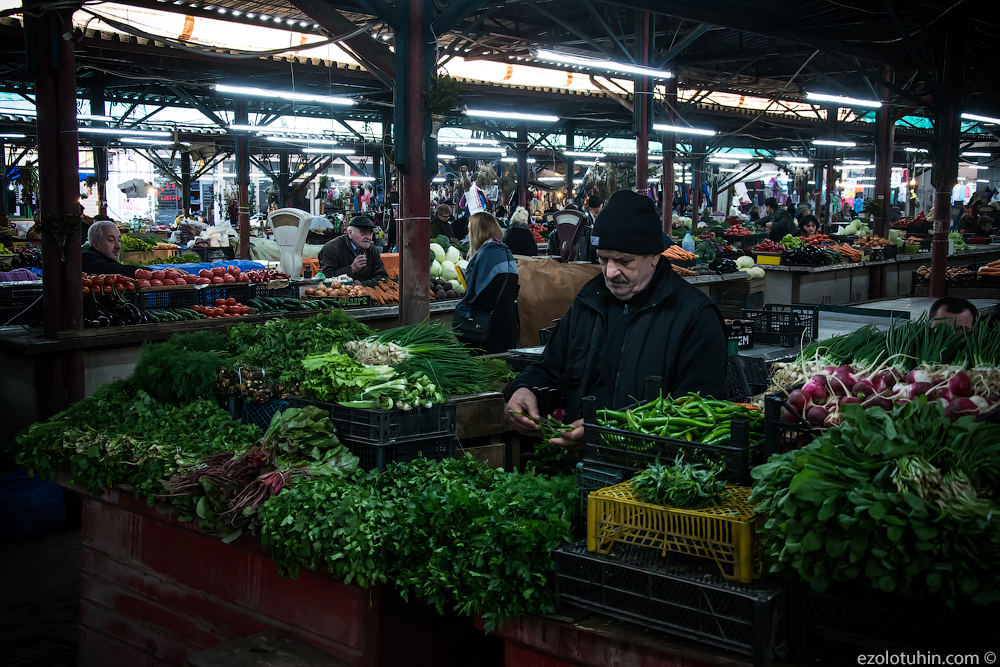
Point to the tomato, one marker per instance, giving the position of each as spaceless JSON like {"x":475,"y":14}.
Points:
{"x":87,"y":282}
{"x":205,"y":273}
{"x":129,"y":287}
{"x":86,"y":289}
{"x":244,"y":310}
{"x":203,"y":281}
{"x":230,"y":301}
{"x":107,"y":289}
{"x":155,"y":283}
{"x":233,"y":270}
{"x":217,"y":280}
{"x":242,"y":278}
{"x":157,"y":275}
{"x":228,"y":279}
{"x":167,"y":282}
{"x":171,"y":274}
{"x":218,"y":271}
{"x":119,"y":287}
{"x":220,"y":302}
{"x":109,"y":280}
{"x":144,"y":284}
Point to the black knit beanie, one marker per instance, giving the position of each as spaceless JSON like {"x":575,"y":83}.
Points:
{"x":629,"y":224}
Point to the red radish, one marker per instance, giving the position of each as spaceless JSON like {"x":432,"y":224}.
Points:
{"x":848,"y":379}
{"x":815,"y":390}
{"x":919,"y":389}
{"x":816,"y":415}
{"x":863,"y":389}
{"x":798,"y":400}
{"x":789,"y":416}
{"x":829,"y":370}
{"x":849,"y":399}
{"x":981,"y":402}
{"x":964,"y":406}
{"x":890,"y":376}
{"x":878,"y":402}
{"x":940,"y":392}
{"x":960,"y":385}
{"x":843,"y":370}
{"x":832,"y":419}
{"x":945,"y":404}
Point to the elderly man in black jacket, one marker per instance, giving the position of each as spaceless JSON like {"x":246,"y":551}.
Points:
{"x":105,"y":248}
{"x":636,"y":320}
{"x":354,"y":254}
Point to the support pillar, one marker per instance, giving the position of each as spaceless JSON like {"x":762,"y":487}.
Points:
{"x":282,"y":184}
{"x":3,"y":184}
{"x":669,"y":142}
{"x":831,"y":155}
{"x":570,"y":164}
{"x":697,"y":167}
{"x":414,"y":206}
{"x":818,"y":189}
{"x":186,"y":183}
{"x":642,"y":107}
{"x":100,"y":143}
{"x":51,"y":59}
{"x":884,"y":137}
{"x":522,"y":164}
{"x":241,"y":117}
{"x":951,"y":76}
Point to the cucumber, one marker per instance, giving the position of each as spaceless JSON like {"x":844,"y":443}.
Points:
{"x":153,"y":316}
{"x":190,"y":314}
{"x":270,"y":301}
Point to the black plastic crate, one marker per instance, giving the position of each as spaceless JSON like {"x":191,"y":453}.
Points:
{"x":784,"y":325}
{"x":373,"y":456}
{"x":851,"y":617}
{"x":238,"y":291}
{"x":890,"y":252}
{"x":634,"y":586}
{"x":743,"y":330}
{"x":384,"y":427}
{"x":735,"y":387}
{"x":987,"y":281}
{"x":740,"y":242}
{"x":212,"y":254}
{"x":782,"y":436}
{"x":163,"y":299}
{"x":258,"y":290}
{"x":591,"y":477}
{"x":753,"y":301}
{"x":756,"y":375}
{"x":633,"y":452}
{"x":261,"y":413}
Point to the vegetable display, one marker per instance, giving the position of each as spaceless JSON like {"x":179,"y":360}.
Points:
{"x":689,"y":417}
{"x":677,"y":252}
{"x":680,"y":485}
{"x":737,"y":230}
{"x":903,"y":500}
{"x":767,"y":245}
{"x":791,"y":242}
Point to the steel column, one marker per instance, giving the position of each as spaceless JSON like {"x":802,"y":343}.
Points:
{"x":641,"y":107}
{"x":697,"y":166}
{"x":241,"y":117}
{"x":522,"y":164}
{"x":186,"y":183}
{"x":951,"y":75}
{"x":282,"y":184}
{"x":3,"y":184}
{"x":818,"y":189}
{"x":884,"y":137}
{"x":570,"y":164}
{"x":831,"y":152}
{"x":100,"y":151}
{"x":669,"y":143}
{"x":414,"y":260}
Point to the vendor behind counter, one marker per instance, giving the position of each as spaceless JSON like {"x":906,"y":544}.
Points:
{"x":105,"y":249}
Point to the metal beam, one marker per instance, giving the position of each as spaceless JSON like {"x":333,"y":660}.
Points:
{"x":266,"y":168}
{"x":382,"y":11}
{"x":373,"y":55}
{"x":457,"y":11}
{"x":157,"y":162}
{"x":352,"y":165}
{"x":566,"y":26}
{"x":911,"y":49}
{"x":607,"y":29}
{"x":211,"y":165}
{"x":299,"y":186}
{"x":198,"y":104}
{"x":688,"y":40}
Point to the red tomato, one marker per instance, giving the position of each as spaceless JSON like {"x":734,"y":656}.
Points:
{"x":203,"y":281}
{"x":244,"y":310}
{"x":110,"y":280}
{"x":129,"y":287}
{"x":168,"y":282}
{"x":220,"y":302}
{"x":86,"y":290}
{"x":107,"y":289}
{"x":233,"y":270}
{"x":218,"y":271}
{"x":119,"y":287}
{"x":143,"y":284}
{"x":242,"y":278}
{"x":217,"y":280}
{"x":87,"y":282}
{"x":157,"y":275}
{"x":230,"y":301}
{"x":155,"y":283}
{"x":171,"y":274}
{"x":228,"y":279}
{"x":205,"y":273}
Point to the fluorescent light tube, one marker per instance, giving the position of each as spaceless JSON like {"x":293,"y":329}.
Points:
{"x":292,"y":140}
{"x":481,"y":149}
{"x":511,"y":115}
{"x":981,"y":119}
{"x":683,"y":130}
{"x":438,"y":179}
{"x":329,"y":151}
{"x":725,"y":160}
{"x":827,"y":142}
{"x":284,"y":95}
{"x":11,"y":135}
{"x":598,"y":63}
{"x":126,"y":133}
{"x":531,"y":160}
{"x":584,"y":154}
{"x":341,"y":177}
{"x":975,"y":154}
{"x":442,"y":156}
{"x":911,"y":149}
{"x":846,"y":101}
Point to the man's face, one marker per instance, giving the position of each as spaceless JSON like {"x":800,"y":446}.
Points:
{"x":626,"y":275}
{"x":361,"y":237}
{"x":110,"y":244}
{"x":962,"y":320}
{"x":443,"y":217}
{"x":768,"y":209}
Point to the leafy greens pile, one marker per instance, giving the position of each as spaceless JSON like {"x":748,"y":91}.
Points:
{"x":450,"y":532}
{"x":905,"y":500}
{"x":681,"y":485}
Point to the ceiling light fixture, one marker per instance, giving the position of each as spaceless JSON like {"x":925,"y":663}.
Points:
{"x":144,"y":140}
{"x":860,"y":162}
{"x":827,"y":142}
{"x":482,"y":149}
{"x":975,"y":154}
{"x":683,"y":130}
{"x":725,"y":160}
{"x":118,"y":130}
{"x":437,"y":179}
{"x":911,"y":149}
{"x":976,"y":166}
{"x":342,"y":177}
{"x":443,"y":156}
{"x":329,"y":151}
{"x":462,"y":140}
{"x":787,"y":158}
{"x":11,"y":135}
{"x":583,"y":154}
{"x":531,"y":160}
{"x":293,"y":140}
{"x":598,"y":63}
{"x":981,"y":119}
{"x":511,"y":115}
{"x":846,"y":101}
{"x":283,"y":94}
{"x":925,"y":164}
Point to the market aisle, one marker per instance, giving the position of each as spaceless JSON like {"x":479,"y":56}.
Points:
{"x":40,"y":600}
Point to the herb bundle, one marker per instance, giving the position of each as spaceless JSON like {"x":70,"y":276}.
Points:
{"x":680,"y":485}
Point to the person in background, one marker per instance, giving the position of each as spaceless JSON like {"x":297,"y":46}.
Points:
{"x":595,"y":204}
{"x":440,"y":224}
{"x":105,"y":248}
{"x":953,"y":311}
{"x":490,"y":286}
{"x":636,"y":319}
{"x":982,"y":228}
{"x":808,"y":225}
{"x":518,"y":237}
{"x":353,"y":254}
{"x":754,"y":214}
{"x":969,"y":217}
{"x":778,"y":220}
{"x":461,"y":226}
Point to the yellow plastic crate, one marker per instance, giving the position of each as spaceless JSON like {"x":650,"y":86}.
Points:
{"x":769,"y":259}
{"x":726,"y":534}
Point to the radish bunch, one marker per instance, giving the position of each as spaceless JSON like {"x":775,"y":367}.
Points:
{"x":818,"y":401}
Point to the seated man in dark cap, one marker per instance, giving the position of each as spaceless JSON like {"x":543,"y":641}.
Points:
{"x":637,"y":319}
{"x":354,"y":254}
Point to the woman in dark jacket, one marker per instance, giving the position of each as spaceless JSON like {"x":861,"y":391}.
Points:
{"x":491,"y":289}
{"x":518,"y":237}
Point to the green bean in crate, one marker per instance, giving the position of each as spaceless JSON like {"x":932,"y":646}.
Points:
{"x":690,"y":417}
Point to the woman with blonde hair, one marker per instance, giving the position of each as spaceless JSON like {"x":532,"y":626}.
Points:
{"x":486,"y":318}
{"x":518,"y":237}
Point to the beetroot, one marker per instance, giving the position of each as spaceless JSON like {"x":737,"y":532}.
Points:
{"x":816,"y":415}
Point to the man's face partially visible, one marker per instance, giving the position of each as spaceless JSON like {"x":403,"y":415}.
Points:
{"x":962,"y":320}
{"x":360,"y":237}
{"x":111,"y":243}
{"x":626,"y":275}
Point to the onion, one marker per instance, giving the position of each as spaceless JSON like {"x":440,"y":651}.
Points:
{"x":964,"y":406}
{"x":815,"y":390}
{"x":919,"y":389}
{"x":960,"y":385}
{"x":863,"y":389}
{"x":878,"y":402}
{"x":798,"y":400}
{"x":816,"y":415}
